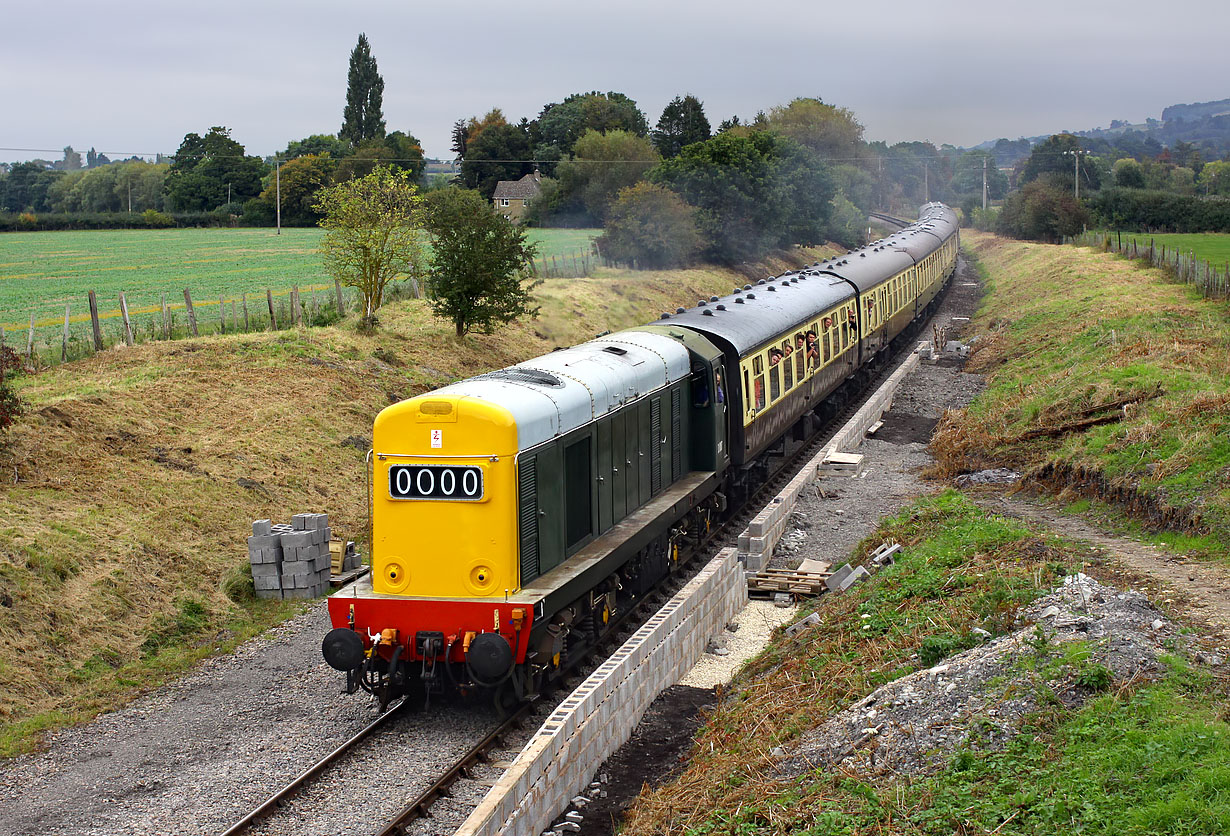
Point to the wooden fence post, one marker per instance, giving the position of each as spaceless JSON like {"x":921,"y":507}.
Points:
{"x":30,"y":341}
{"x":314,"y":306}
{"x":191,"y":313}
{"x":234,"y":315}
{"x":64,"y":342}
{"x":128,"y":340}
{"x":273,"y":320}
{"x":221,"y":315}
{"x":341,"y":302}
{"x":246,"y":327}
{"x":294,"y":304}
{"x":98,"y":343}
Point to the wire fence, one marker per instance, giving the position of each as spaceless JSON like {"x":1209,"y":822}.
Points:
{"x":92,"y":324}
{"x":1212,"y":280}
{"x":89,"y":325}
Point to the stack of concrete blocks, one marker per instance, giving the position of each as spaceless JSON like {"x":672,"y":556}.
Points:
{"x":600,"y":715}
{"x":290,"y":561}
{"x":845,"y":577}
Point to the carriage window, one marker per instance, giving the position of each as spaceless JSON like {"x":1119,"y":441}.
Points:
{"x":775,"y":383}
{"x":759,"y":393}
{"x":802,"y":358}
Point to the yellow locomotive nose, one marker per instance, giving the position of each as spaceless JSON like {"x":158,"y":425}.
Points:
{"x":444,"y":498}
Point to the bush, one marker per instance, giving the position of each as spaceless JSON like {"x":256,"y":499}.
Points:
{"x":1143,"y":210}
{"x":157,"y":220}
{"x":1041,"y":212}
{"x":650,"y":226}
{"x":10,"y":404}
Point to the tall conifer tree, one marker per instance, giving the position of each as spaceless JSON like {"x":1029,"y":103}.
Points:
{"x":363,"y":117}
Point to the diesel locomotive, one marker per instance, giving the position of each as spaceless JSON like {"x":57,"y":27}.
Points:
{"x":515,"y":514}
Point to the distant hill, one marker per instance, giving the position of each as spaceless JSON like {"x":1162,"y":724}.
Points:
{"x":1206,"y":125}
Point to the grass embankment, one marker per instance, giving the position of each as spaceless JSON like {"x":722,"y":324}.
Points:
{"x":41,"y":272}
{"x":134,"y":476}
{"x":1066,"y":334}
{"x":1143,"y":760}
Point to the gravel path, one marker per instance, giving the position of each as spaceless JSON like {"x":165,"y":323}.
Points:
{"x":195,"y":756}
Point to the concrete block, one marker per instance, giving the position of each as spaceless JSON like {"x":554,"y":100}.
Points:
{"x":854,"y":577}
{"x":261,"y":584}
{"x":296,"y":539}
{"x":298,"y":567}
{"x":833,"y":581}
{"x":265,"y":570}
{"x":297,"y":594}
{"x":262,"y":527}
{"x":803,"y":624}
{"x":269,"y":594}
{"x":299,"y":522}
{"x":264,"y":541}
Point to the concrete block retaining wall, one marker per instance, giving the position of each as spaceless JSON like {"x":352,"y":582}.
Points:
{"x":600,"y":715}
{"x":763,"y":533}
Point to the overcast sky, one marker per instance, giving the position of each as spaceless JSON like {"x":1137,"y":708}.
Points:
{"x":128,"y":77}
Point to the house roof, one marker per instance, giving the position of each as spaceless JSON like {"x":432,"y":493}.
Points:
{"x":523,"y":189}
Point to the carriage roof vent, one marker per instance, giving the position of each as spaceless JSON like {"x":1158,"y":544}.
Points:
{"x":614,"y":349}
{"x":681,"y":310}
{"x":721,"y":307}
{"x":706,"y":312}
{"x":738,"y":300}
{"x":713,"y":298}
{"x":760,"y":282}
{"x":702,"y":303}
{"x":665,"y":316}
{"x":772,"y":289}
{"x":751,"y":296}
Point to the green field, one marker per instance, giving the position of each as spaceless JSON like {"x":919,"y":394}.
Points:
{"x":1207,"y":246}
{"x":41,"y":272}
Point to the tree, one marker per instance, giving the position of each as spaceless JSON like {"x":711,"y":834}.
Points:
{"x":363,"y":117}
{"x":1215,"y":178}
{"x":10,"y":404}
{"x":204,"y":168}
{"x":317,"y":144}
{"x":301,"y":181}
{"x":967,"y":175}
{"x":71,"y":161}
{"x":498,"y":152}
{"x":831,"y":133}
{"x":682,"y":123}
{"x":1055,"y":156}
{"x":407,"y":153}
{"x":753,"y":192}
{"x":479,"y":262}
{"x":561,"y":125}
{"x":1129,"y":174}
{"x":601,"y":165}
{"x":650,"y":226}
{"x":371,"y":236}
{"x":461,"y":135}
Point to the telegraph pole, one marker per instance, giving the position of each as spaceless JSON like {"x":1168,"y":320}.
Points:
{"x":278,"y":177}
{"x":1076,"y":171}
{"x":984,"y":184}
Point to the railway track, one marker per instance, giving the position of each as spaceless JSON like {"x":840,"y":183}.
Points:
{"x":889,"y":219}
{"x":723,"y":535}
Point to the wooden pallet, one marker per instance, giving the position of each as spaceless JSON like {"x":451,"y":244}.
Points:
{"x":799,"y":583}
{"x":347,"y":577}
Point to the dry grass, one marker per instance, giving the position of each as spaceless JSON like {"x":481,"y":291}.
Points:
{"x":133,"y":478}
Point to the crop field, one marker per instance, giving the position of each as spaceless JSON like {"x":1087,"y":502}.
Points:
{"x":41,"y":272}
{"x":1208,"y":246}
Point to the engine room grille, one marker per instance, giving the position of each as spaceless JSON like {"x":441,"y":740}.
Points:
{"x":527,"y":491}
{"x":676,"y":437}
{"x":655,"y":446}
{"x":522,"y":375}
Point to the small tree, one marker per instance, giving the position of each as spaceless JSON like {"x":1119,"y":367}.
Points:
{"x":650,"y":226}
{"x":479,"y":262}
{"x":371,"y":233}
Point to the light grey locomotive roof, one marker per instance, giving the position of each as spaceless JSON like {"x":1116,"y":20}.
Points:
{"x":782,"y":303}
{"x":566,"y":389}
